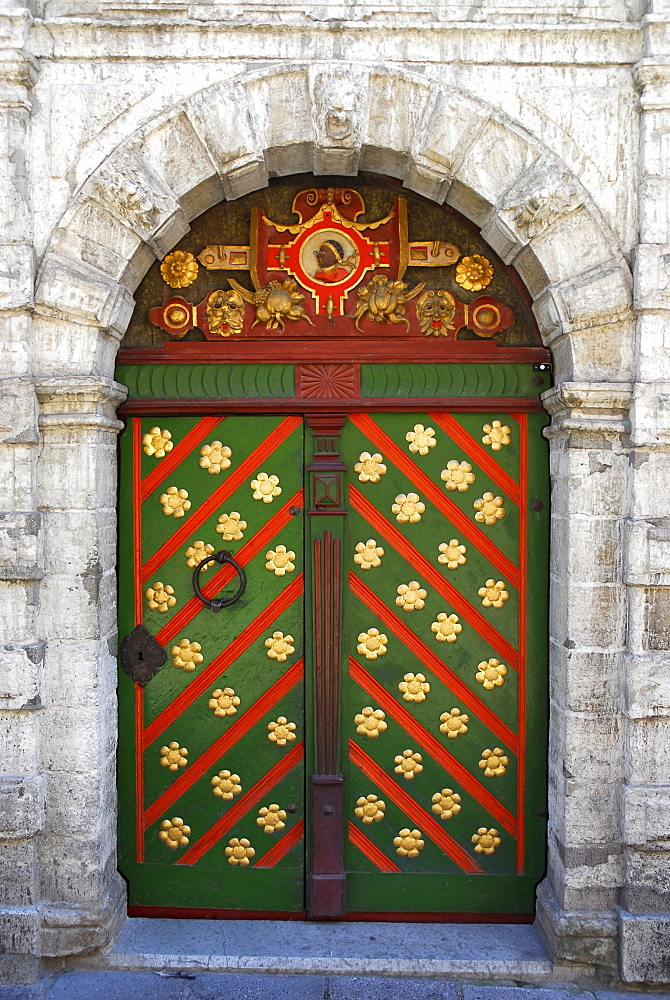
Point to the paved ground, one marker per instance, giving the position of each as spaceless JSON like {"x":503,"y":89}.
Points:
{"x":236,"y":986}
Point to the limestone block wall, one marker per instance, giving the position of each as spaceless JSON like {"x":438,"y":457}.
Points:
{"x":547,"y":125}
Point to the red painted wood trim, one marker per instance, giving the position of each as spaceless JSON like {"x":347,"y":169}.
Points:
{"x":202,"y":913}
{"x":424,"y":821}
{"x":432,"y":575}
{"x":523,"y":611}
{"x":137,"y":600}
{"x":236,"y":478}
{"x":397,"y":917}
{"x":282,"y":847}
{"x":353,"y":351}
{"x":432,"y":745}
{"x":139,"y":774}
{"x":459,"y":689}
{"x":370,"y":850}
{"x":424,"y":484}
{"x":455,"y":404}
{"x":226,"y":657}
{"x":181,"y":450}
{"x":478,"y":454}
{"x":319,"y":612}
{"x":246,"y":802}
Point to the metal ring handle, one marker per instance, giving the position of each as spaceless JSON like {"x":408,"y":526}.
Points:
{"x":221,"y":602}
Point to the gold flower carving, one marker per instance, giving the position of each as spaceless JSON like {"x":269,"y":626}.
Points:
{"x":446,"y":803}
{"x":231,"y":526}
{"x":474,"y":273}
{"x":414,"y":687}
{"x":160,"y":597}
{"x":370,"y":809}
{"x":452,"y":555}
{"x":223,"y":702}
{"x":370,"y":468}
{"x":265,"y":487}
{"x":447,"y":627}
{"x":408,"y":508}
{"x":239,"y":851}
{"x":174,"y":833}
{"x":493,"y":594}
{"x":372,"y":643}
{"x":494,"y":762}
{"x":368,"y":554}
{"x":279,"y":646}
{"x":453,"y":723}
{"x":457,"y":476}
{"x":489,"y":509}
{"x":173,"y":756}
{"x":157,"y":442}
{"x":179,"y":269}
{"x":421,"y":439}
{"x":175,"y":502}
{"x":271,"y":818}
{"x":280,"y":560}
{"x":408,"y":843}
{"x":281,"y":732}
{"x":486,"y":841}
{"x":408,"y":763}
{"x":226,"y":785}
{"x":411,"y":596}
{"x":370,"y":722}
{"x":196,"y":553}
{"x":215,"y":457}
{"x":491,"y":673}
{"x":496,"y":435}
{"x":186,"y":655}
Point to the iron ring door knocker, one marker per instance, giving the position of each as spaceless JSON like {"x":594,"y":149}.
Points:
{"x":221,"y":602}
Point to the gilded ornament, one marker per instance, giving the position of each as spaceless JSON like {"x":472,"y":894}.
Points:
{"x":186,"y":655}
{"x":372,"y":643}
{"x":271,"y":818}
{"x":196,"y":553}
{"x":369,"y":809}
{"x":489,"y":509}
{"x":491,"y":673}
{"x":370,"y":722}
{"x":275,"y":304}
{"x":411,"y":596}
{"x":446,"y":803}
{"x":435,"y":311}
{"x":414,"y":687}
{"x":368,"y":554}
{"x":280,"y":560}
{"x":279,"y":646}
{"x":384,"y":300}
{"x":485,"y":841}
{"x":214,"y":457}
{"x":474,"y":273}
{"x":160,"y":597}
{"x":493,"y":594}
{"x":179,"y":269}
{"x":408,"y":764}
{"x":457,"y":476}
{"x":281,"y":732}
{"x":451,"y":555}
{"x":224,"y":702}
{"x":226,"y":785}
{"x":408,"y":508}
{"x":496,"y":435}
{"x":174,"y":833}
{"x":494,"y":762}
{"x":370,"y":468}
{"x":231,"y":526}
{"x":157,"y":442}
{"x":239,"y":851}
{"x":453,"y":723}
{"x":225,"y":312}
{"x":408,"y":843}
{"x":421,"y":439}
{"x":175,"y":502}
{"x":265,"y":487}
{"x":447,"y":628}
{"x":173,"y":756}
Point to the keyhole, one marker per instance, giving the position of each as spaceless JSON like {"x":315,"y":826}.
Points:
{"x":140,"y":656}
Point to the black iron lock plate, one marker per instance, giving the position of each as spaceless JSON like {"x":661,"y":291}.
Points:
{"x":141,"y":655}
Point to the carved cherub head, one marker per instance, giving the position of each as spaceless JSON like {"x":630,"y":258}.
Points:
{"x":435,"y":310}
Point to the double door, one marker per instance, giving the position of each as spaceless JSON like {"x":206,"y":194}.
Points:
{"x":362,"y":732}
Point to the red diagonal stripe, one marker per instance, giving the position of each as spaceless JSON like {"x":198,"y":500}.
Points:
{"x":483,"y":458}
{"x":248,"y":467}
{"x":370,"y":850}
{"x":430,"y":659}
{"x":432,"y":745}
{"x":224,"y":575}
{"x":225,"y":742}
{"x":282,"y":847}
{"x":441,"y":500}
{"x":412,"y":809}
{"x":243,"y":805}
{"x":433,"y":577}
{"x":202,"y":681}
{"x":181,"y":450}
